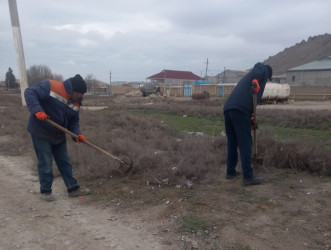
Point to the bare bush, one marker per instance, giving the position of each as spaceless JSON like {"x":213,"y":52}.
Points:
{"x":299,"y":156}
{"x":38,"y":73}
{"x":160,"y":155}
{"x":157,"y":156}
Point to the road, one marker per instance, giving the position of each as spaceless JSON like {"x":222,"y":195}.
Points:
{"x":295,"y":105}
{"x":26,"y":222}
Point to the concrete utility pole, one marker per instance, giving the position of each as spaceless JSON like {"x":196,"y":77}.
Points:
{"x":18,"y":46}
{"x":206,"y":69}
{"x":110,"y":88}
{"x":224,"y":75}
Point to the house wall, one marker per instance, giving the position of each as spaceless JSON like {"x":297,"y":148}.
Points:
{"x":212,"y":89}
{"x":173,"y":91}
{"x":296,"y":92}
{"x":121,"y":89}
{"x":309,"y":78}
{"x":177,"y":82}
{"x":177,"y":91}
{"x":230,"y":76}
{"x":227,"y":90}
{"x":172,"y":82}
{"x":310,"y":93}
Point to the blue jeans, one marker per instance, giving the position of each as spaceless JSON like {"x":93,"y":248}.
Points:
{"x":45,"y":151}
{"x":238,"y":131}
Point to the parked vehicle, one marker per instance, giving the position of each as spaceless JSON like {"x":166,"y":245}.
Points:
{"x":146,"y":90}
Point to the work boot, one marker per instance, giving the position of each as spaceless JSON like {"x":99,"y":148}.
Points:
{"x":232,"y":176}
{"x":252,"y":181}
{"x":79,"y":192}
{"x":47,"y":197}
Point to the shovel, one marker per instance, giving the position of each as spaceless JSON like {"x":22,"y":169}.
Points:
{"x":255,"y":159}
{"x":254,"y":131}
{"x":123,"y":163}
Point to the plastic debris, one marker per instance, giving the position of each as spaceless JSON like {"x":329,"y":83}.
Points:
{"x":113,"y":218}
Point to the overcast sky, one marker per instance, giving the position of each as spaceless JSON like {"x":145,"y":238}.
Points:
{"x":135,"y":39}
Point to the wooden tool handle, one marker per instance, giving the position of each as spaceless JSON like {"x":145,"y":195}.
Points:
{"x":86,"y":142}
{"x":254,"y":131}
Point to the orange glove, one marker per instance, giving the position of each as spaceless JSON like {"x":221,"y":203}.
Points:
{"x":81,"y":138}
{"x":41,"y":115}
{"x":255,"y":86}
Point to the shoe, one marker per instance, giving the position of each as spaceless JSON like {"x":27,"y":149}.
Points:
{"x":232,"y":176}
{"x":252,"y":181}
{"x":47,"y":197}
{"x":79,"y":192}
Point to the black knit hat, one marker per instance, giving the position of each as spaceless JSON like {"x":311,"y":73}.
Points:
{"x":269,"y":71}
{"x":78,"y":84}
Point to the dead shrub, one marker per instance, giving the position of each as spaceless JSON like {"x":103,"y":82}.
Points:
{"x":298,"y":156}
{"x":157,"y":156}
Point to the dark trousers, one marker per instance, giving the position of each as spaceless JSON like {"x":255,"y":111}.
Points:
{"x":238,"y":131}
{"x":45,"y":152}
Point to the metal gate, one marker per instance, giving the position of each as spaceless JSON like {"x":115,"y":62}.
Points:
{"x":220,"y":91}
{"x":187,"y":89}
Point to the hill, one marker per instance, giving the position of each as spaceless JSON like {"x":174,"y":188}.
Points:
{"x":301,"y":53}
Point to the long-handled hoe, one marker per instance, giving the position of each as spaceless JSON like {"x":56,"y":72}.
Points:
{"x":123,"y":163}
{"x":255,"y":159}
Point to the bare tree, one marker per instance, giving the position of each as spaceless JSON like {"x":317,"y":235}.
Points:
{"x":89,"y":81}
{"x":58,"y":77}
{"x":38,"y":73}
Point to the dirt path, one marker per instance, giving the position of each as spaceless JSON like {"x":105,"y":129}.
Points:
{"x":299,"y":105}
{"x":26,"y":222}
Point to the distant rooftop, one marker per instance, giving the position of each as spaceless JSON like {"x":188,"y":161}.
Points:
{"x":175,"y":74}
{"x":322,"y":64}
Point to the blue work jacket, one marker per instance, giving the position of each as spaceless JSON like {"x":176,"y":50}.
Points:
{"x":241,"y":98}
{"x":52,"y":97}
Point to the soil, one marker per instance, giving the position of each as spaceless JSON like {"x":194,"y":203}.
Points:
{"x":27,"y":222}
{"x":291,"y":210}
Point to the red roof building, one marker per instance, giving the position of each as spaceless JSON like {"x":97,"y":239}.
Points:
{"x":174,"y":77}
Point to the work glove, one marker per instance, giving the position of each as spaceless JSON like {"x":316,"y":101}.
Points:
{"x":255,"y":86}
{"x":81,"y":138}
{"x":41,"y":115}
{"x":253,"y":123}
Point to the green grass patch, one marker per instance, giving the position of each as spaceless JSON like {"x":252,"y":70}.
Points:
{"x":215,"y":126}
{"x":210,"y":126}
{"x":193,"y":224}
{"x":322,"y":137}
{"x":124,"y":180}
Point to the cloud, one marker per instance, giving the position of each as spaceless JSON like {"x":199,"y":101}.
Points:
{"x":87,"y":43}
{"x":135,"y":39}
{"x":70,"y":62}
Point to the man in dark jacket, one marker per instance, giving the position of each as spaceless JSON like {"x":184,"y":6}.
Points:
{"x":60,"y":102}
{"x":238,"y":111}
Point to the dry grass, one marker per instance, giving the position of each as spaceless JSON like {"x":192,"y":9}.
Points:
{"x":159,"y":155}
{"x":297,"y":118}
{"x":299,"y":156}
{"x":214,"y":206}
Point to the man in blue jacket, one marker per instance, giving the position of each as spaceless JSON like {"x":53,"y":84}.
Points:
{"x":238,"y":111}
{"x":60,"y":102}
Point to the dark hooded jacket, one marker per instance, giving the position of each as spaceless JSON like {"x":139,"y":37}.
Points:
{"x":52,"y":97}
{"x":241,"y":98}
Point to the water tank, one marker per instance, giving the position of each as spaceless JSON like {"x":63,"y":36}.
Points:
{"x":276,"y":92}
